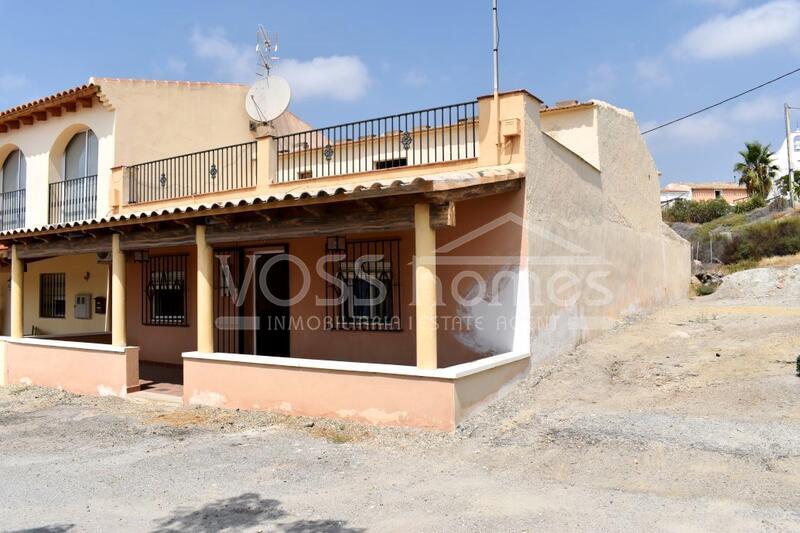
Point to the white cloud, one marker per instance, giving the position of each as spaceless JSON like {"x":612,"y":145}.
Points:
{"x":702,"y":129}
{"x":10,"y":82}
{"x":233,"y":62}
{"x":344,"y":78}
{"x":601,"y":79}
{"x":722,"y":4}
{"x":735,"y":121}
{"x":415,"y":78}
{"x":764,"y":108}
{"x":175,"y":66}
{"x":743,"y":33}
{"x":652,"y":72}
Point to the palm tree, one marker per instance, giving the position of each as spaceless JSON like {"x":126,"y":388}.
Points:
{"x":757,"y":171}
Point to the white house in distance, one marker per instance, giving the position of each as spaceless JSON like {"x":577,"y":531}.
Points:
{"x":781,"y":155}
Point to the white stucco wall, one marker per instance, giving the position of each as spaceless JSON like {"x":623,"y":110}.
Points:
{"x":43,"y":143}
{"x":597,"y":246}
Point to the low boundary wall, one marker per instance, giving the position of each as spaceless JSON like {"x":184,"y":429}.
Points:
{"x":79,"y":367}
{"x":385,"y":395}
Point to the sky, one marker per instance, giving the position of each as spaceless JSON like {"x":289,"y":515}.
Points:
{"x":357,"y":59}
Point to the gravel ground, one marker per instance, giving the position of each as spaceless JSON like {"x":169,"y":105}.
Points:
{"x":684,"y":420}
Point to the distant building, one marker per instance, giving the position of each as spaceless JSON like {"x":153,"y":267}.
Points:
{"x":731,"y":192}
{"x":781,"y":155}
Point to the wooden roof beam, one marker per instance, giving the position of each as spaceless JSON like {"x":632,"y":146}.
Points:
{"x":54,"y":111}
{"x":41,"y":116}
{"x":26,"y":120}
{"x":86,"y":102}
{"x":13,"y":124}
{"x":70,"y":107}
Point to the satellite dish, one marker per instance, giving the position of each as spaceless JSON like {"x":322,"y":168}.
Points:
{"x":268,"y":98}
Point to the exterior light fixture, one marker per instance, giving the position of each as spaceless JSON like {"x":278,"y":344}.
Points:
{"x":213,"y":171}
{"x":335,"y":244}
{"x":163,"y":179}
{"x":141,"y":256}
{"x":328,"y":152}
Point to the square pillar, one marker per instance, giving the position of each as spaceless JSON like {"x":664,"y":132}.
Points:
{"x":205,"y":292}
{"x":119,"y":335}
{"x":425,"y":286}
{"x":17,"y":303}
{"x":266,"y":163}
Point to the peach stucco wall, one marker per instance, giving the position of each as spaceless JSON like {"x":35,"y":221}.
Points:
{"x":163,"y":344}
{"x":475,"y":391}
{"x":371,"y":398}
{"x":76,"y":367}
{"x":487,"y":230}
{"x":730,"y":195}
{"x":459,"y":341}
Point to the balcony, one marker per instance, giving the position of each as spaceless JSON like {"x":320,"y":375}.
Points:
{"x":424,"y":137}
{"x":12,"y":210}
{"x":209,"y":171}
{"x":427,"y":137}
{"x":72,"y":200}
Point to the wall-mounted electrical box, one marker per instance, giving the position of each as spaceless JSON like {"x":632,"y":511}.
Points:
{"x":83,"y":306}
{"x":510,"y":127}
{"x":100,"y":305}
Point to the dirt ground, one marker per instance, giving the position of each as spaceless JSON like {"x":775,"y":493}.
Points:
{"x":684,"y":420}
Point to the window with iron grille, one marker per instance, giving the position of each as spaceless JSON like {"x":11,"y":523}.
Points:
{"x":363,"y":286}
{"x":164,"y":298}
{"x":52,"y":295}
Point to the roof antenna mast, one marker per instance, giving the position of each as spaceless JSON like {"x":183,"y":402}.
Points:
{"x":496,"y":81}
{"x":496,"y":43}
{"x":266,"y":50}
{"x":269,"y":97}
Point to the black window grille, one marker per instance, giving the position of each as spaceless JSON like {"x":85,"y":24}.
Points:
{"x":164,"y":298}
{"x":363,"y":285}
{"x":52,"y":295}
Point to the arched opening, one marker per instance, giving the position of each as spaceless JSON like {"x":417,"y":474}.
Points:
{"x":80,"y":156}
{"x":12,"y":197}
{"x":73,"y":194}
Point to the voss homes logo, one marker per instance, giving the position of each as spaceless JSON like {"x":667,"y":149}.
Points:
{"x":486,"y":299}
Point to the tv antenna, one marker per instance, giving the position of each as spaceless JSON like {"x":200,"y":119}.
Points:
{"x":266,"y":50}
{"x":269,"y":97}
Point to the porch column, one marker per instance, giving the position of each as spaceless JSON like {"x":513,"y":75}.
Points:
{"x":16,"y":304}
{"x":118,"y":304}
{"x":425,"y":286}
{"x":205,"y":292}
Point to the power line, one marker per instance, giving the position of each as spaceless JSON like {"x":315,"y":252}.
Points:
{"x":712,"y":106}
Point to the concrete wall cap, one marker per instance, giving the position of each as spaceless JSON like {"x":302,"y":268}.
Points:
{"x":449,"y":373}
{"x":74,"y":345}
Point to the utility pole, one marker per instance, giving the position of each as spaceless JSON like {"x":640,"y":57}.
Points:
{"x":789,"y":151}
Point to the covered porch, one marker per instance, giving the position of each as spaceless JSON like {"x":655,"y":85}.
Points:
{"x":241,"y":305}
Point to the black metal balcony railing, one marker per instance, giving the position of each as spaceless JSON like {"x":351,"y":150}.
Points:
{"x":209,"y":171}
{"x":420,"y":137}
{"x":12,"y":210}
{"x":72,"y":200}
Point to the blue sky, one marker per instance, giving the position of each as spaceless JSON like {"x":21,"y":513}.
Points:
{"x":357,"y":59}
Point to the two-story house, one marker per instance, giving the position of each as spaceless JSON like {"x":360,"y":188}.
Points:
{"x":401,"y":270}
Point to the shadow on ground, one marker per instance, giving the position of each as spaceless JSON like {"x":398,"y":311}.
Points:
{"x":244,"y":511}
{"x":55,"y":528}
